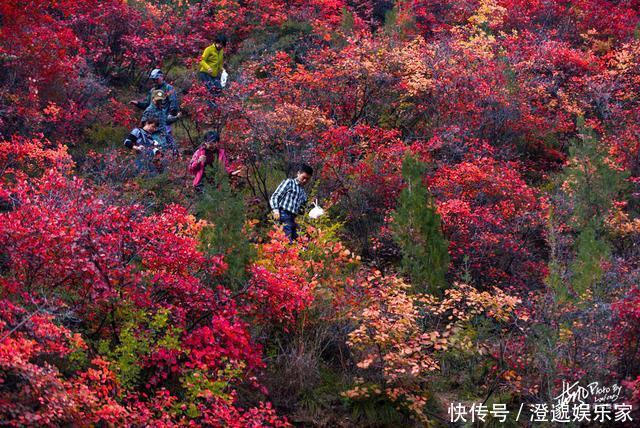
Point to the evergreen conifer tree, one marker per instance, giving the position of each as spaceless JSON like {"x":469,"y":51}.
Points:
{"x":225,"y":209}
{"x":592,"y":184}
{"x":417,"y":230}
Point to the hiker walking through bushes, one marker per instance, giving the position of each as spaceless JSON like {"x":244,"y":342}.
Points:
{"x":141,"y":140}
{"x":163,"y":134}
{"x":170,"y":104}
{"x":212,"y":64}
{"x":206,"y":155}
{"x":289,"y":200}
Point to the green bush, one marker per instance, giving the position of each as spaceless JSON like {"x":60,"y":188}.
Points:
{"x":100,"y":136}
{"x":417,"y":230}
{"x":225,"y":209}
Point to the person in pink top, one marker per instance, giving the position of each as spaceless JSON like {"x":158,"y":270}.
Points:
{"x":206,"y":154}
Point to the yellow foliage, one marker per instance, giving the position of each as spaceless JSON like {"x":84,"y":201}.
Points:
{"x":489,"y":12}
{"x":390,"y":336}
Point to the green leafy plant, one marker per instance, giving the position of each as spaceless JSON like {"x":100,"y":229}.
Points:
{"x":417,"y":229}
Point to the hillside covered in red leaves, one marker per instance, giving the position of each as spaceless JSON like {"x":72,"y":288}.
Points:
{"x":477,"y":161}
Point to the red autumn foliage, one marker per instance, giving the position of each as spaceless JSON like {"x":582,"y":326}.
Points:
{"x":89,"y":260}
{"x":493,"y":217}
{"x":112,"y":312}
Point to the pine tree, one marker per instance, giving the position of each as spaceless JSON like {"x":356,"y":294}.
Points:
{"x":417,"y":230}
{"x":587,"y":266}
{"x":592,"y":184}
{"x":225,"y":209}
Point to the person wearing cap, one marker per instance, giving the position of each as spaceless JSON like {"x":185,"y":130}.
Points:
{"x":171,"y":103}
{"x":156,"y":109}
{"x":212,"y":63}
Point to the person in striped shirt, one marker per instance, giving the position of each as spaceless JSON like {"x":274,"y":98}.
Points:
{"x":289,"y":199}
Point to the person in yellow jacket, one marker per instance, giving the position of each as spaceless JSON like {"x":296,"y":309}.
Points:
{"x":212,"y":63}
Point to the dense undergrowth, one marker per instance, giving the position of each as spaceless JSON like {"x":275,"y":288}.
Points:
{"x":478,"y":162}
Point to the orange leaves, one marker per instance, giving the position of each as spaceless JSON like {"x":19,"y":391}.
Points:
{"x":282,"y":63}
{"x":52,"y":110}
{"x":464,"y":302}
{"x":389,"y":340}
{"x":287,"y":278}
{"x":489,"y":13}
{"x":393,"y":335}
{"x":408,"y":63}
{"x":21,"y":157}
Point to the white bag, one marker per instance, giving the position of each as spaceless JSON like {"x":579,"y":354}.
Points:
{"x":316,"y":211}
{"x":223,"y":78}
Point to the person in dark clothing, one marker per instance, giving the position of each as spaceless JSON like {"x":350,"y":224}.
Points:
{"x":289,"y":200}
{"x":141,"y":140}
{"x":169,"y":107}
{"x":163,"y":135}
{"x":171,"y":104}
